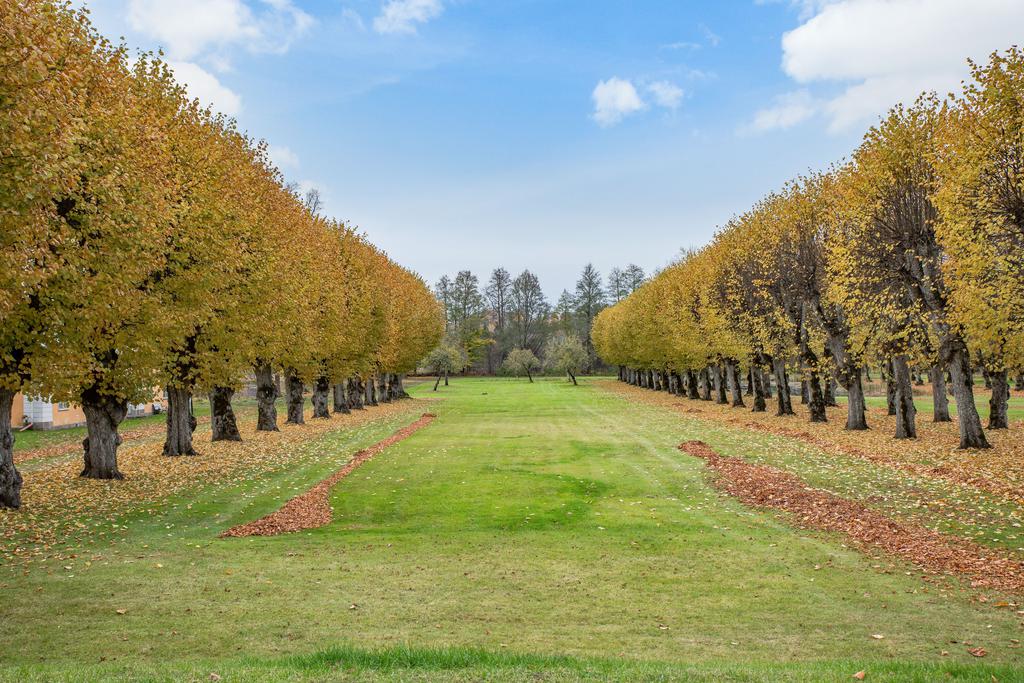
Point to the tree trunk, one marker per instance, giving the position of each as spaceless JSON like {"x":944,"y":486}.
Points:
{"x":997,"y":403}
{"x":750,"y":381}
{"x":784,"y":402}
{"x":804,"y":393}
{"x":355,"y":393}
{"x":180,"y":422}
{"x":1018,"y":384}
{"x":266,"y":394}
{"x":438,"y":381}
{"x":529,"y":375}
{"x":382,"y":388}
{"x":371,"y":389}
{"x":720,"y":392}
{"x":940,"y":397}
{"x":446,"y":378}
{"x":815,"y":396}
{"x":756,"y":379}
{"x":732,"y":370}
{"x":573,"y":378}
{"x":400,"y":391}
{"x":340,"y":399}
{"x":223,"y":425}
{"x":890,"y":386}
{"x":10,"y":478}
{"x":321,"y":396}
{"x":296,"y":402}
{"x":856,"y":417}
{"x":906,"y":412}
{"x":959,"y":364}
{"x":830,"y":393}
{"x":103,"y":414}
{"x":691,"y":385}
{"x":766,"y":382}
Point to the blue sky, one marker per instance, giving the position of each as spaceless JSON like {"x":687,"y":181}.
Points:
{"x":544,"y":134}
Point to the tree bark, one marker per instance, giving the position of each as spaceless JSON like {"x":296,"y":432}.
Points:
{"x":906,"y":412}
{"x":446,"y":378}
{"x":750,"y":381}
{"x":103,"y":414}
{"x":784,"y":402}
{"x":371,"y":389}
{"x":705,"y":384}
{"x":10,"y":478}
{"x":830,"y":393}
{"x":732,"y":370}
{"x":766,"y":382}
{"x":720,"y":394}
{"x":890,"y":386}
{"x":382,"y":388}
{"x":940,"y":397}
{"x":296,"y":402}
{"x":691,"y":385}
{"x":320,"y":397}
{"x":180,"y":422}
{"x":223,"y":425}
{"x":756,"y":379}
{"x":959,"y":364}
{"x":266,"y":395}
{"x":804,"y":393}
{"x":400,"y":391}
{"x":340,"y":399}
{"x":438,"y":381}
{"x":1018,"y":383}
{"x":815,"y":396}
{"x":573,"y":378}
{"x":997,"y":403}
{"x":856,"y":417}
{"x":529,"y":375}
{"x":356,"y":393}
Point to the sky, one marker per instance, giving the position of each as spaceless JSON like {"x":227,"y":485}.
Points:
{"x":546,"y":134}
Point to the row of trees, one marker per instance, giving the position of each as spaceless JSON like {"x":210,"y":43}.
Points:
{"x":145,"y":242}
{"x":909,"y":255}
{"x":484,"y":324}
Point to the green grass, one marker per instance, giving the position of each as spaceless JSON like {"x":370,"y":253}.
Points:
{"x":533,"y":528}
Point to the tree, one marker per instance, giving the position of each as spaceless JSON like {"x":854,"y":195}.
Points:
{"x":498,"y":293}
{"x":565,"y":353}
{"x":521,"y":362}
{"x":528,"y":310}
{"x":589,"y":301}
{"x":980,"y":168}
{"x":632,"y":277}
{"x":445,"y":359}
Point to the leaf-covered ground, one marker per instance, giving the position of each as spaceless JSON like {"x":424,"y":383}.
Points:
{"x":533,"y":531}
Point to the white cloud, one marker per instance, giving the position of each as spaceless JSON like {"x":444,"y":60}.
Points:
{"x":712,"y":38}
{"x":888,"y":51}
{"x":666,"y":94}
{"x":187,"y":29}
{"x":283,"y":157}
{"x":615,"y":99}
{"x":788,"y":110}
{"x":203,"y":85}
{"x":402,"y":16}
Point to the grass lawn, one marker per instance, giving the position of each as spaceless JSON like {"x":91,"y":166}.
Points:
{"x":1015,"y":409}
{"x":532,"y":528}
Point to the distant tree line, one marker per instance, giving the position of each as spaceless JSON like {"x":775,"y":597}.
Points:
{"x":486,"y":322}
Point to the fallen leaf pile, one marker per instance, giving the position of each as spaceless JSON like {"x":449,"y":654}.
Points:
{"x":767,"y":487}
{"x":312,"y":509}
{"x":63,"y":514}
{"x":934,"y":452}
{"x":900,"y":478}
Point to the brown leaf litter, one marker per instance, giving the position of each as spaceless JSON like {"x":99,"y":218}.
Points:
{"x":312,"y":509}
{"x":768,"y":487}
